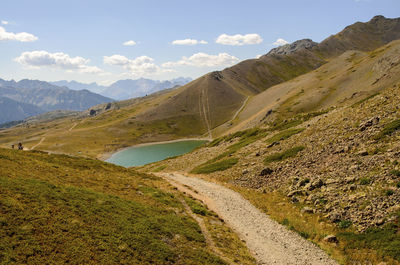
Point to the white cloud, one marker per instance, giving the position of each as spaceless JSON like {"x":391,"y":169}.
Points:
{"x":238,"y":39}
{"x":4,"y":22}
{"x":139,"y":66}
{"x":204,"y":60}
{"x":59,"y":60}
{"x":22,"y":36}
{"x":129,"y":43}
{"x":258,"y":56}
{"x":188,"y":42}
{"x":280,"y":42}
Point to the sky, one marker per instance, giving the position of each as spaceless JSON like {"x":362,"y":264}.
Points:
{"x":105,"y":41}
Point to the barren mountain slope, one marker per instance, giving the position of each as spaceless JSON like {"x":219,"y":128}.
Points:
{"x":226,"y":90}
{"x":343,"y":81}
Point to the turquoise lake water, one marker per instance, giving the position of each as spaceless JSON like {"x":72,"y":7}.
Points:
{"x":146,"y":154}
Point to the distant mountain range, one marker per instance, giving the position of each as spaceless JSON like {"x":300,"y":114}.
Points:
{"x":19,"y":100}
{"x":12,"y":110}
{"x":126,"y":89}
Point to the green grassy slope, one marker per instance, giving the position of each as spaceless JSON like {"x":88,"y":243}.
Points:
{"x":72,"y":210}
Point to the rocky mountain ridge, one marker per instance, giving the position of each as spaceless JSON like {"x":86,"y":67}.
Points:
{"x":293,"y":47}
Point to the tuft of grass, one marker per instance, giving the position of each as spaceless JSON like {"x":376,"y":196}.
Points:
{"x":365,"y":181}
{"x":198,"y":208}
{"x":364,"y":100}
{"x":285,"y":222}
{"x":295,"y":121}
{"x":395,"y":172}
{"x":284,"y":135}
{"x":286,"y":124}
{"x":239,"y":134}
{"x":283,"y":155}
{"x":217,"y":166}
{"x":388,"y":129}
{"x":389,"y":192}
{"x":344,"y":224}
{"x":246,"y":137}
{"x":304,"y":234}
{"x":216,"y":141}
{"x":160,"y":168}
{"x":385,"y":240}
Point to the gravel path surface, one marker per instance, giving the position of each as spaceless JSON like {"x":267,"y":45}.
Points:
{"x":270,"y":242}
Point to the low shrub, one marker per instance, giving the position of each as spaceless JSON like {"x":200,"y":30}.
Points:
{"x":283,"y":155}
{"x":365,"y":181}
{"x":388,"y":129}
{"x":389,"y":192}
{"x":385,"y":240}
{"x":284,"y":135}
{"x":344,"y":224}
{"x":217,"y":166}
{"x":395,"y":172}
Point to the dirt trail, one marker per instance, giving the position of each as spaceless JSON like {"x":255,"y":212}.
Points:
{"x":36,"y":145}
{"x":73,"y":126}
{"x":239,"y":110}
{"x":270,"y":242}
{"x":205,"y":109}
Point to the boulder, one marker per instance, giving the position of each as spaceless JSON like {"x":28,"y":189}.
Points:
{"x":369,"y":123}
{"x":294,"y":193}
{"x":266,"y":171}
{"x":331,"y":239}
{"x":307,"y":210}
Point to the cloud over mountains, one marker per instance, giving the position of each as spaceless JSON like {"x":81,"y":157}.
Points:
{"x":204,"y":60}
{"x":60,"y":60}
{"x":238,"y":39}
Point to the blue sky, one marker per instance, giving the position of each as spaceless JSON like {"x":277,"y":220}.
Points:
{"x":84,"y":40}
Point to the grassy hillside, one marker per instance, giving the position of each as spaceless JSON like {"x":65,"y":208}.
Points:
{"x":75,"y":210}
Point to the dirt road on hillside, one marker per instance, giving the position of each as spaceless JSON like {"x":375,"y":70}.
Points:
{"x":270,"y":242}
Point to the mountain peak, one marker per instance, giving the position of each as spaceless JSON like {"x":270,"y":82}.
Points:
{"x":293,"y":47}
{"x":378,"y":17}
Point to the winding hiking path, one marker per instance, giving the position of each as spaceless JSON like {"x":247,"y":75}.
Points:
{"x":270,"y":242}
{"x":36,"y":145}
{"x":239,"y":110}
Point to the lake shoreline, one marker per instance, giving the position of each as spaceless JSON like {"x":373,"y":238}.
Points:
{"x":106,"y":156}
